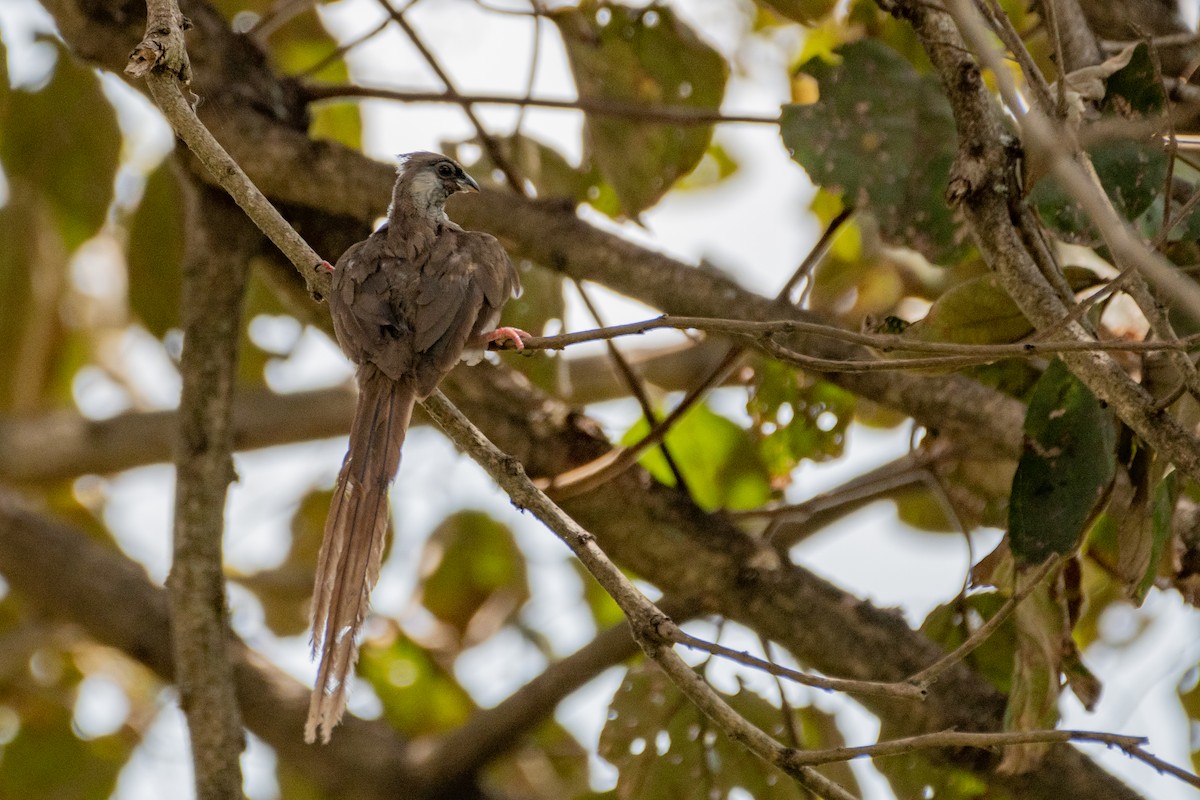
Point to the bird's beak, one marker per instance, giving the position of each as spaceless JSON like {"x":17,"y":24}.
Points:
{"x":467,"y":184}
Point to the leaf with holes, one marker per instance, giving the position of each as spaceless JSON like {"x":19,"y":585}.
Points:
{"x":884,"y":135}
{"x":645,"y":57}
{"x":1066,"y":469}
{"x":664,"y":747}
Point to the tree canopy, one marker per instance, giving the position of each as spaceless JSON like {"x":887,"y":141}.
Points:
{"x":965,"y":229}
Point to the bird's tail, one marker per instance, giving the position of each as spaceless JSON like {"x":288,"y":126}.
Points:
{"x":352,"y":548}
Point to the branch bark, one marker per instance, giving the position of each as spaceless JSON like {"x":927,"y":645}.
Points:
{"x":214,"y":280}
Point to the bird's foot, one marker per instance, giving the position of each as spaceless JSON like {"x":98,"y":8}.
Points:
{"x":324,"y":266}
{"x":513,"y":334}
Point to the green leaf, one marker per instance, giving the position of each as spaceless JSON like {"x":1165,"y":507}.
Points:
{"x":299,"y":46}
{"x":976,"y":311}
{"x":156,"y":247}
{"x":718,"y":460}
{"x":1135,"y":91}
{"x":664,"y":747}
{"x":796,"y":417}
{"x":474,"y":576}
{"x":1162,"y":510}
{"x":1132,"y":174}
{"x":805,"y":12}
{"x":420,"y":696}
{"x":715,"y":167}
{"x":643,"y":57}
{"x":993,"y":659}
{"x":70,"y":157}
{"x":884,"y":135}
{"x":1066,"y":468}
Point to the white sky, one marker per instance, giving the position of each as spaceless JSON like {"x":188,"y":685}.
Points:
{"x":755,"y":225}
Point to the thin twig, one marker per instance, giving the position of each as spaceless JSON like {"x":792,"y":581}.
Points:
{"x":637,"y":388}
{"x":883,"y":342}
{"x":924,"y":741}
{"x":926,"y":677}
{"x":817,"y":252}
{"x":903,"y":690}
{"x":486,"y":139}
{"x":680,"y":115}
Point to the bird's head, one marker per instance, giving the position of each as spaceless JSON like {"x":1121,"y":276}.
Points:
{"x":426,"y":181}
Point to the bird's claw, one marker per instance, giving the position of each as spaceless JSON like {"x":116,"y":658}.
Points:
{"x":512,"y":334}
{"x":324,"y":266}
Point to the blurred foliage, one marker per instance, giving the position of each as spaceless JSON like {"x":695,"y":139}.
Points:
{"x":796,"y":417}
{"x":473,"y":576}
{"x":59,"y":171}
{"x":719,"y":461}
{"x":418,"y":689}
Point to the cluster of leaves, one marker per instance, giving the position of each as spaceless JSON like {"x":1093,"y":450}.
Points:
{"x":874,"y":130}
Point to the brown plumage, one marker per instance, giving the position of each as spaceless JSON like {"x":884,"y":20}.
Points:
{"x":408,"y":303}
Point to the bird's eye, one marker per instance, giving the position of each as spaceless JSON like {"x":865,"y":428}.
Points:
{"x":445,"y":170}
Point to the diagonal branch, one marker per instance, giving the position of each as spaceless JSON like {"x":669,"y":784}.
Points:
{"x":652,"y":629}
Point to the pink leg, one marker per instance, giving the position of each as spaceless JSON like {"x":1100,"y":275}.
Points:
{"x":513,"y":334}
{"x":324,"y":266}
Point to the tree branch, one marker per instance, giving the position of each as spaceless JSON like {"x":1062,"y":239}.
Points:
{"x":679,"y":115}
{"x":214,"y":280}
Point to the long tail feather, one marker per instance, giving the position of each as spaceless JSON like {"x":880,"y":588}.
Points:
{"x":352,"y":548}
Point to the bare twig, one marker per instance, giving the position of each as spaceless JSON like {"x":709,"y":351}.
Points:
{"x":906,"y":691}
{"x":485,"y":138}
{"x":884,"y":343}
{"x":680,"y":115}
{"x":964,"y":739}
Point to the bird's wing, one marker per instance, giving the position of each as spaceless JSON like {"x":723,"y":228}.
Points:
{"x":370,"y":308}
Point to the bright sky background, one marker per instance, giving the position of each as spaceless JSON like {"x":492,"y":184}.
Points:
{"x":755,"y":226}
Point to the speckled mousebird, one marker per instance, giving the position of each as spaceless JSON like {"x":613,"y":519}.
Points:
{"x":408,"y":303}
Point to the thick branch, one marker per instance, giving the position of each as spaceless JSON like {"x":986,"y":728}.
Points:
{"x":214,"y":280}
